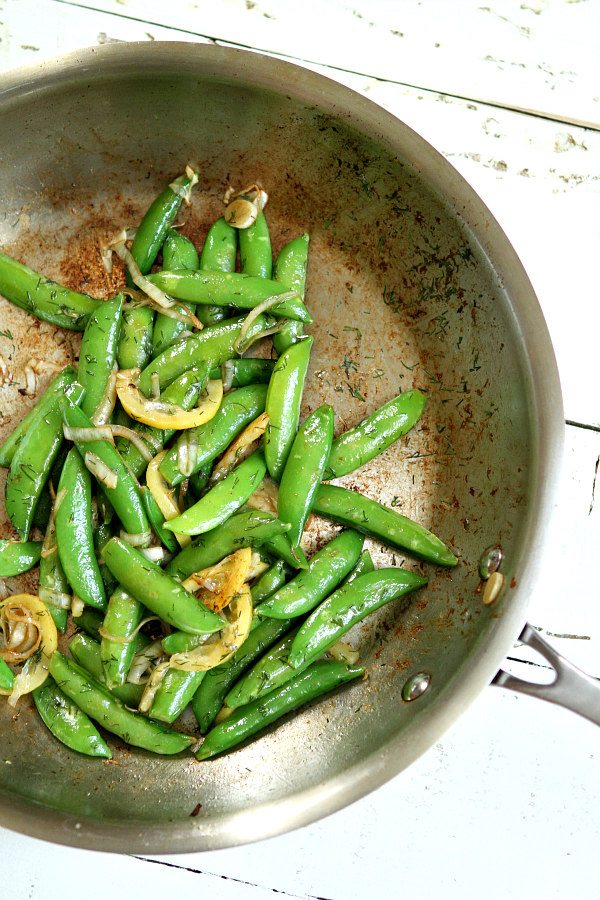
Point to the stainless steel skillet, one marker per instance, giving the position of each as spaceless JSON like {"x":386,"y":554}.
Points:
{"x":411,"y":283}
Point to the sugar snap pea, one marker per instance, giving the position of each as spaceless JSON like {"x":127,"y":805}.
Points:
{"x":356,"y":511}
{"x":222,"y":500}
{"x":89,"y":621}
{"x":347,"y":606}
{"x":17,"y":557}
{"x":62,"y":385}
{"x":290,"y":270}
{"x":255,"y":248}
{"x":164,"y":596}
{"x":230,"y":289}
{"x":102,"y":535}
{"x":374,"y":434}
{"x":318,"y":679}
{"x":123,"y":615}
{"x":240,"y":372}
{"x":325,"y":571}
{"x":219,"y":254}
{"x":86,"y":652}
{"x":364,"y":565}
{"x":215,"y":343}
{"x":209,"y":697}
{"x":281,"y":546}
{"x":157,"y":521}
{"x":74,"y":534}
{"x":44,"y":298}
{"x":134,"y":349}
{"x":157,"y":220}
{"x":270,"y":581}
{"x":270,"y":671}
{"x":178,"y":252}
{"x":174,"y":693}
{"x":53,"y":587}
{"x":67,"y":722}
{"x":124,"y":497}
{"x":304,"y":469}
{"x":98,"y":353}
{"x":97,"y":702}
{"x":250,"y":528}
{"x":284,"y":399}
{"x":238,"y":408}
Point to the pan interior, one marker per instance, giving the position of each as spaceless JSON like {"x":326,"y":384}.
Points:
{"x":402,"y":297}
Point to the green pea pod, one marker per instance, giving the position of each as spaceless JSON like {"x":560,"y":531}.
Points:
{"x":45,"y":299}
{"x":42,"y":509}
{"x":99,"y":704}
{"x":209,"y":697}
{"x":63,"y":384}
{"x":304,"y":470}
{"x":290,"y":270}
{"x":269,"y":672}
{"x":219,"y":254}
{"x":6,"y":676}
{"x":372,"y":518}
{"x":184,"y":392}
{"x":199,"y":480}
{"x":134,"y":349}
{"x":347,"y":606}
{"x":178,"y":252}
{"x":222,"y":500}
{"x":123,"y":615}
{"x":284,"y":398}
{"x":174,"y":693}
{"x":206,"y":442}
{"x":375,"y":434}
{"x":181,"y":642}
{"x":230,"y":289}
{"x":164,"y":596}
{"x":326,"y":569}
{"x":215,"y":343}
{"x":125,"y":496}
{"x":53,"y":587}
{"x":270,"y":581}
{"x":17,"y":557}
{"x":86,"y":652}
{"x":256,"y":257}
{"x":74,"y":534}
{"x":157,"y":220}
{"x":240,"y":372}
{"x":97,"y":355}
{"x":319,"y":679}
{"x":90,"y":621}
{"x":220,"y":248}
{"x":157,"y":521}
{"x":67,"y":722}
{"x":31,"y":465}
{"x":250,"y":528}
{"x":365,"y":564}
{"x":102,"y":536}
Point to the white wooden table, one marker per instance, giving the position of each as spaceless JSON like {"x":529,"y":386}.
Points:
{"x":506,"y":805}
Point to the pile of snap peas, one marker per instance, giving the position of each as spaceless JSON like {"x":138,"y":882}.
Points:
{"x":163,"y":486}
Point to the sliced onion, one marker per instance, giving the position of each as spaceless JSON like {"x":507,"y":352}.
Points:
{"x":55,"y":598}
{"x":77,"y":606}
{"x":106,"y":406}
{"x":218,"y":585}
{"x":244,"y":444}
{"x":265,"y":497}
{"x":142,"y":539}
{"x":162,"y":415}
{"x":156,"y":554}
{"x":103,"y":473}
{"x":118,"y":246}
{"x":183,"y":190}
{"x":257,"y":311}
{"x":274,"y":328}
{"x":152,"y":686}
{"x":86,"y":435}
{"x":187,"y":452}
{"x":220,"y":647}
{"x":133,"y":437}
{"x":35,"y":671}
{"x":164,"y":496}
{"x":143,"y":660}
{"x":257,"y":567}
{"x":343,"y":652}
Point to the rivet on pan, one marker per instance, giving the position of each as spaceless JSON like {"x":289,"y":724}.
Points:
{"x":415,"y":686}
{"x":490,"y":561}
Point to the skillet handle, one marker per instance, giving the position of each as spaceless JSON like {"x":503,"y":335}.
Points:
{"x":571,"y":688}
